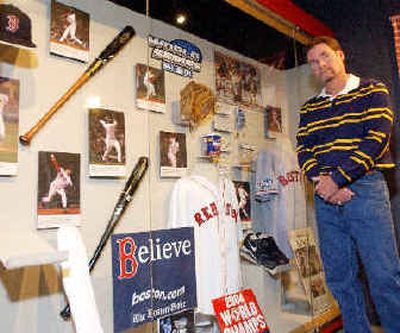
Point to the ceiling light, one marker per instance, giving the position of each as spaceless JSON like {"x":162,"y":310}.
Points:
{"x":180,"y":19}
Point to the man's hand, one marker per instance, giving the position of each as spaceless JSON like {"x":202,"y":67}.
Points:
{"x":342,"y":196}
{"x":326,"y":187}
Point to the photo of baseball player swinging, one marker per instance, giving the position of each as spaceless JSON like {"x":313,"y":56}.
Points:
{"x":9,"y":119}
{"x":106,"y":143}
{"x":69,"y":32}
{"x":58,"y":189}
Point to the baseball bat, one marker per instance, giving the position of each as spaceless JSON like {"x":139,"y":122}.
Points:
{"x":124,"y":199}
{"x":105,"y":56}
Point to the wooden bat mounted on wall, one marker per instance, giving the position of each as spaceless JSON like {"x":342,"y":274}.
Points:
{"x":108,"y":53}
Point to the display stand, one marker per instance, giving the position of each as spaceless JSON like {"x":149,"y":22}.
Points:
{"x":21,"y":249}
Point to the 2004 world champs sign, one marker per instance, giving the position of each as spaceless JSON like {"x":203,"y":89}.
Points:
{"x":177,"y":56}
{"x":153,"y":275}
{"x":240,"y":313}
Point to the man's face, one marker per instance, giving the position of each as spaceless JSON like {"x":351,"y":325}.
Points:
{"x":326,"y":64}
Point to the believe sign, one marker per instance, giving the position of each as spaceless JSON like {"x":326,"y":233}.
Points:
{"x":153,"y":275}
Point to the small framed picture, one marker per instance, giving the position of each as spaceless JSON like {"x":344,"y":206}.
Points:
{"x":272,"y":121}
{"x":106,"y":143}
{"x":9,"y":119}
{"x":173,"y":154}
{"x":69,"y":32}
{"x":58,"y":199}
{"x":150,"y":88}
{"x":243,"y":196}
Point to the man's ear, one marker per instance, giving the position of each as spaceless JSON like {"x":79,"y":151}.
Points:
{"x":340,"y":54}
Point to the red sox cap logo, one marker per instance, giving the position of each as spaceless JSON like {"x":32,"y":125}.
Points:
{"x":12,"y":23}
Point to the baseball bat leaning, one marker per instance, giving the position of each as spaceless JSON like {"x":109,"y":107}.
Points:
{"x":124,"y":199}
{"x":108,"y":53}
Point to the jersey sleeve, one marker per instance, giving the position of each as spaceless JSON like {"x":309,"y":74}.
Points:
{"x":305,"y":142}
{"x":178,"y":214}
{"x":377,"y":122}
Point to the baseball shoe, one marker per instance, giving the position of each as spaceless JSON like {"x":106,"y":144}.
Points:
{"x":249,"y":248}
{"x":269,"y":245}
{"x":262,"y":250}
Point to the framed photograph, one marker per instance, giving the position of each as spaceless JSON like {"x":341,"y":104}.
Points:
{"x":273,"y":120}
{"x":106,"y":143}
{"x":58,"y":199}
{"x":9,"y":120}
{"x":237,"y":82}
{"x":173,"y":154}
{"x":150,"y":88}
{"x":243,"y":197}
{"x":69,"y":32}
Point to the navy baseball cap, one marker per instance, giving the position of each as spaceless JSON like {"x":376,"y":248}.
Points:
{"x":15,"y":27}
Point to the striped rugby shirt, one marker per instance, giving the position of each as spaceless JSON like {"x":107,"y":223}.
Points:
{"x":347,"y":135}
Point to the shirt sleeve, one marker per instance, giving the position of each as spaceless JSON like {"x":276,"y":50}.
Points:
{"x":307,"y":161}
{"x":377,"y":122}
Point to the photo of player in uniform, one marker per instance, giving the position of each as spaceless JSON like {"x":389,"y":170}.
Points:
{"x":9,"y":119}
{"x":237,"y":82}
{"x":182,"y":322}
{"x":106,"y":143}
{"x":243,"y":197}
{"x":59,"y":189}
{"x":150,"y":88}
{"x":69,"y":32}
{"x":173,"y":154}
{"x":274,"y":119}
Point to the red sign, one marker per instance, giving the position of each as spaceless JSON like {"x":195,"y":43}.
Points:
{"x":239,"y":312}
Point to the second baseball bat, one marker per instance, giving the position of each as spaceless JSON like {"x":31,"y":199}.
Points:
{"x":124,"y":199}
{"x":108,"y":53}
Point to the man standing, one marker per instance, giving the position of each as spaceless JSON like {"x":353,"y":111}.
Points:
{"x":343,"y":146}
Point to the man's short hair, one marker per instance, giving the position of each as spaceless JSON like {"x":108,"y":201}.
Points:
{"x":331,"y":42}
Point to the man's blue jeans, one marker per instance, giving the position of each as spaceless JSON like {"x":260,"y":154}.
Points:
{"x":363,"y":225}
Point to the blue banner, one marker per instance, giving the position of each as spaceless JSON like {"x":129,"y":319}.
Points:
{"x":153,"y":275}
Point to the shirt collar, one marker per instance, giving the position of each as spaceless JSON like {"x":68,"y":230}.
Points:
{"x":353,"y":82}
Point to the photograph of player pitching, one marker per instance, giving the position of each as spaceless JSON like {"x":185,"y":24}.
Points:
{"x":9,"y":119}
{"x":59,"y":186}
{"x":69,"y":32}
{"x":150,"y":88}
{"x":106,"y":137}
{"x":173,"y":154}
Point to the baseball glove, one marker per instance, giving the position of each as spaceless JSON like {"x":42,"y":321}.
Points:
{"x":196,"y":104}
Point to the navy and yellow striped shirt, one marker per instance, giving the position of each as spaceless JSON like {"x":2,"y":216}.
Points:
{"x":348,"y":135}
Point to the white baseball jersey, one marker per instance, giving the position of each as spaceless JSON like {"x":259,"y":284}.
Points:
{"x":282,"y":207}
{"x":214,"y":215}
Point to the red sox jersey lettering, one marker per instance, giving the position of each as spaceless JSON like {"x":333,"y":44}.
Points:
{"x":208,"y":212}
{"x":293,"y":176}
{"x":127,"y":256}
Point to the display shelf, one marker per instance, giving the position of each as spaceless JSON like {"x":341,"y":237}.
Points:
{"x":22,"y":248}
